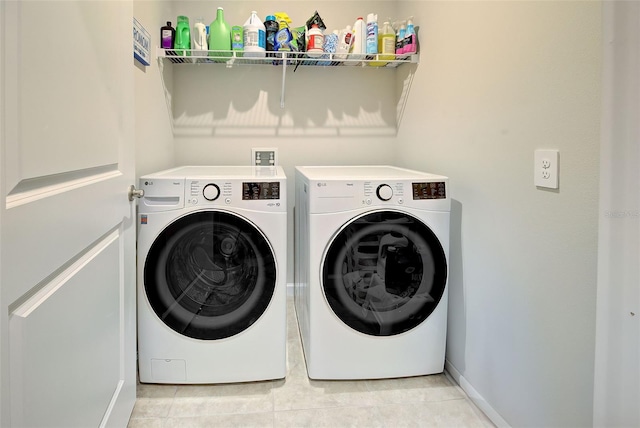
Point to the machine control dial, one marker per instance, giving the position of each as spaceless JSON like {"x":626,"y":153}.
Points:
{"x":211,"y":192}
{"x":384,"y":192}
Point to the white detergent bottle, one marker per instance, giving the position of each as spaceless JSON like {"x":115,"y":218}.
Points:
{"x":200,"y":38}
{"x":358,"y":47}
{"x":372,"y":34}
{"x":255,"y":37}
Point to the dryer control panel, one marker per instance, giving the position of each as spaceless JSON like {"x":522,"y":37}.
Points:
{"x":336,"y":195}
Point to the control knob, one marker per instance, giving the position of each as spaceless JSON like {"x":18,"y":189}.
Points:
{"x":384,"y":192}
{"x":211,"y":192}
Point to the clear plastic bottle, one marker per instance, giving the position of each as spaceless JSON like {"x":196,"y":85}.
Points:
{"x":255,"y":38}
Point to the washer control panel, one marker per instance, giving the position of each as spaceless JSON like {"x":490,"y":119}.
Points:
{"x":237,"y":193}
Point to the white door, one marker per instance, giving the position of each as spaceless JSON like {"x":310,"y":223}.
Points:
{"x":67,"y":247}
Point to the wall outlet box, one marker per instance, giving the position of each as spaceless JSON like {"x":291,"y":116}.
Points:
{"x":546,"y":168}
{"x":264,"y":156}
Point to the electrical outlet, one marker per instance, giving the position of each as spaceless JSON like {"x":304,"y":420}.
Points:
{"x":546,"y":168}
{"x":264,"y":156}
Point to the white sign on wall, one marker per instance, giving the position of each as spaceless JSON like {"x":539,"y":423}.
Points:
{"x":141,"y":43}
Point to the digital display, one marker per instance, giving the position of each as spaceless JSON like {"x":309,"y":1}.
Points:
{"x":433,"y":190}
{"x":254,"y":191}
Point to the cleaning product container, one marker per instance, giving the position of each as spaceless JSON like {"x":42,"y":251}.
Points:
{"x":219,"y":35}
{"x":372,"y":34}
{"x":386,"y":45}
{"x":410,"y":40}
{"x":359,"y":46}
{"x":183,"y":36}
{"x":200,"y":38}
{"x":400,"y":39}
{"x":271,"y":28}
{"x":255,"y":39}
{"x":237,"y":40}
{"x":315,"y":42}
{"x":345,"y":38}
{"x":167,"y":36}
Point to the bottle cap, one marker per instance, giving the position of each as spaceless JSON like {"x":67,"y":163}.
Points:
{"x":270,"y":18}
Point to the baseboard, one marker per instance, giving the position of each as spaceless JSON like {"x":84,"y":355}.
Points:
{"x":475,"y":396}
{"x":289,"y":289}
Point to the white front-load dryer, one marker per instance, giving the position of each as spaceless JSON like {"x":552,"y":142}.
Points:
{"x":212,"y":275}
{"x":371,"y":269}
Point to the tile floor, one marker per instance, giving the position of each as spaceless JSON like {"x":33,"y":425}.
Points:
{"x":297,"y":401}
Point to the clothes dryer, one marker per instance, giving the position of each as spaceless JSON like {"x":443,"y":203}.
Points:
{"x":371,"y":269}
{"x":212,"y":275}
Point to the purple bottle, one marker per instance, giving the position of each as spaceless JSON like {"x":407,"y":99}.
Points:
{"x":167,"y":36}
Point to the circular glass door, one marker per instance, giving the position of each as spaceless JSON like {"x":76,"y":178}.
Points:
{"x":210,"y":275}
{"x":384,"y":273}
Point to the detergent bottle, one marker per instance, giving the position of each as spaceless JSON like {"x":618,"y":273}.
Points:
{"x":410,"y":39}
{"x":386,"y":45}
{"x":183,"y":36}
{"x":219,"y":35}
{"x":254,"y":35}
{"x":271,"y":28}
{"x":200,"y":38}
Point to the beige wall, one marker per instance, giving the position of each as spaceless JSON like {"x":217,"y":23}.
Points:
{"x":153,"y":123}
{"x":496,"y":81}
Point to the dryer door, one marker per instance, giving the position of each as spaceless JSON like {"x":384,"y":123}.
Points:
{"x":210,"y":275}
{"x":384,"y":273}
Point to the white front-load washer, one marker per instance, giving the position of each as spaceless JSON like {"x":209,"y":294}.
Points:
{"x":212,"y":275}
{"x":371,"y":269}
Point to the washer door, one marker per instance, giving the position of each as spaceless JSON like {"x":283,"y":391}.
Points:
{"x":210,"y":275}
{"x":384,"y":273}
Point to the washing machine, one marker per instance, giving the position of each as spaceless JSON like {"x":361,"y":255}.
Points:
{"x":371,"y":269}
{"x":212,"y":275}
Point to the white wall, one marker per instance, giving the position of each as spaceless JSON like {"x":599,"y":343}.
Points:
{"x":617,"y":379}
{"x":153,"y":124}
{"x":496,"y":81}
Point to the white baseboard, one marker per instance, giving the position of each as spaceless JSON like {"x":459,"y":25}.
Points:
{"x":475,"y":396}
{"x":289,"y":289}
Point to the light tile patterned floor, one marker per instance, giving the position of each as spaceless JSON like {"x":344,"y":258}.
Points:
{"x":297,"y":401}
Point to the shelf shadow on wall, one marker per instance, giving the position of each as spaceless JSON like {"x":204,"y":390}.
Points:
{"x":208,"y":100}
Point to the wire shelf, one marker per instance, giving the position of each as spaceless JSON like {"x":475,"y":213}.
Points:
{"x":233,"y":58}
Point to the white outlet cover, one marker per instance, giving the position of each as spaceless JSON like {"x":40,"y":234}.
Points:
{"x":546,"y":168}
{"x":264,"y":156}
